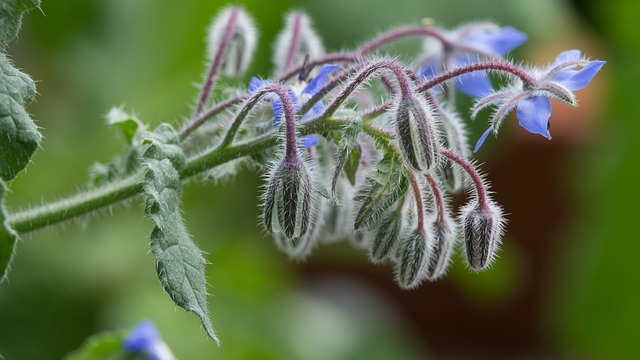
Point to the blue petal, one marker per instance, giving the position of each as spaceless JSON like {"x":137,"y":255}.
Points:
{"x":499,"y":41}
{"x":577,"y":79}
{"x":142,"y":338}
{"x":476,"y":84}
{"x":310,"y":140}
{"x":318,"y":82}
{"x":256,"y":83}
{"x":533,"y":114}
{"x":566,"y":56}
{"x":430,"y":70}
{"x":316,"y":110}
{"x":278,"y":110}
{"x":482,"y":139}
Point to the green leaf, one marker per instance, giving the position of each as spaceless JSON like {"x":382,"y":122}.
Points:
{"x":180,"y":265}
{"x":8,"y":237}
{"x":20,"y":136}
{"x":104,"y":346}
{"x":128,"y":124}
{"x":11,"y":12}
{"x":348,"y":155}
{"x":381,"y":191}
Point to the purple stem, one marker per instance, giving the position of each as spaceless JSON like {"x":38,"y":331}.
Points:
{"x":217,"y":61}
{"x":437,"y":195}
{"x":291,"y":147}
{"x":203,"y":116}
{"x":295,"y":40}
{"x":400,"y":33}
{"x":368,"y":70}
{"x":488,"y":65}
{"x":419,"y":203}
{"x":339,"y":57}
{"x":477,"y":180}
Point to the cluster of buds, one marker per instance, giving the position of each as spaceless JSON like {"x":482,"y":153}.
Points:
{"x":380,"y":172}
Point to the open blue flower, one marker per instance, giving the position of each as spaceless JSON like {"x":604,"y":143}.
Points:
{"x":533,"y":107}
{"x":464,"y":46}
{"x":299,"y":93}
{"x":145,"y":340}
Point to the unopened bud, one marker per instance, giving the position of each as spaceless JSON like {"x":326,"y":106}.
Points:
{"x":287,"y":200}
{"x":413,"y":256}
{"x":241,"y":41}
{"x":296,"y":41}
{"x":416,"y":133}
{"x":387,"y":237}
{"x":482,"y":227}
{"x":442,"y":249}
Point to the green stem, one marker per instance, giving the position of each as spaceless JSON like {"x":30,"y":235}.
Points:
{"x":87,"y":201}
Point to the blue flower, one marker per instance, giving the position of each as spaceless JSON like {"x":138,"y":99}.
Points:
{"x":464,"y":46}
{"x":144,"y":339}
{"x":299,"y":93}
{"x":533,"y":107}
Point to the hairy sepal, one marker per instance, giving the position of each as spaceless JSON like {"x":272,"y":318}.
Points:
{"x":482,"y":228}
{"x":382,"y":188}
{"x":417,"y":137}
{"x":179,"y":263}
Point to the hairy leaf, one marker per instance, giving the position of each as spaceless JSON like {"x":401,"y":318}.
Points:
{"x":381,"y":191}
{"x":8,"y":237}
{"x":180,"y":265}
{"x":104,"y":346}
{"x":128,"y":124}
{"x":348,"y":156}
{"x":20,"y":136}
{"x":11,"y":12}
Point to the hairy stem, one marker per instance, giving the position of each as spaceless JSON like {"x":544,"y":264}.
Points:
{"x":295,"y":40}
{"x":206,"y":115}
{"x":487,"y":65}
{"x":437,"y":196}
{"x":470,"y":169}
{"x":217,"y":61}
{"x":419,"y":202}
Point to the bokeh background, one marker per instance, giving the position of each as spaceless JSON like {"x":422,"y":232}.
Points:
{"x":567,"y":282}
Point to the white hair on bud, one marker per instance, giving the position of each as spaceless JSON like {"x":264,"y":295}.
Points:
{"x":308,"y":42}
{"x":243,"y":41}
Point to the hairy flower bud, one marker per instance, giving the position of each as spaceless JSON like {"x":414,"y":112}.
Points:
{"x":235,"y":29}
{"x":413,"y":256}
{"x":287,"y":200}
{"x":296,"y":41}
{"x":443,"y":241}
{"x":387,"y":237}
{"x":416,"y":133}
{"x":482,"y":227}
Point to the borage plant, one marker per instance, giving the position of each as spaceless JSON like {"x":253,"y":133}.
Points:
{"x":353,"y":145}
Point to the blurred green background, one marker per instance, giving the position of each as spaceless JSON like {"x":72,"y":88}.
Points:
{"x":566,"y":285}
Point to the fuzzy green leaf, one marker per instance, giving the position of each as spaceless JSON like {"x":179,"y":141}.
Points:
{"x":381,"y":191}
{"x":348,"y":155}
{"x":8,"y":237}
{"x":11,"y":12}
{"x":180,"y":265}
{"x":104,"y":346}
{"x":128,"y":124}
{"x":20,"y":136}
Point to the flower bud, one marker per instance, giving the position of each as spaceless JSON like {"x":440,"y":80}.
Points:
{"x":296,"y":41}
{"x":440,"y":257}
{"x":387,"y":237}
{"x":241,"y":42}
{"x":413,"y":257}
{"x":416,"y":133}
{"x":287,"y":200}
{"x":482,"y":227}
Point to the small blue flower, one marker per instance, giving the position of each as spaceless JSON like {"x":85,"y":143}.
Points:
{"x":533,"y":107}
{"x":144,"y":339}
{"x":299,"y":93}
{"x":466,"y":44}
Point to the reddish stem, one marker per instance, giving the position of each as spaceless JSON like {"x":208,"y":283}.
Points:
{"x":419,"y":202}
{"x":295,"y":40}
{"x":437,"y":195}
{"x":468,"y":167}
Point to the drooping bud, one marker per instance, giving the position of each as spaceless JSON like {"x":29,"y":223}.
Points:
{"x":387,"y":236}
{"x":287,"y":200}
{"x":296,"y":41}
{"x":442,"y":249}
{"x":233,"y":36}
{"x":482,"y":227}
{"x":415,"y":127}
{"x":413,"y":257}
